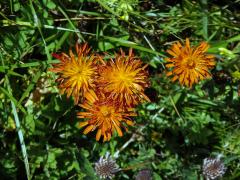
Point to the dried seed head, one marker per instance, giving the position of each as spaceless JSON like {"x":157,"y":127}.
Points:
{"x":106,"y":167}
{"x":144,"y":174}
{"x":213,"y":168}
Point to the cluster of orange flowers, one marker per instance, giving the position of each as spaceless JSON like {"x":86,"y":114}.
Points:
{"x":108,"y":91}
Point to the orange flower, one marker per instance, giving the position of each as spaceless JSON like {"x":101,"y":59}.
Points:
{"x":189,"y":64}
{"x":124,"y":79}
{"x":106,"y":116}
{"x":77,"y":74}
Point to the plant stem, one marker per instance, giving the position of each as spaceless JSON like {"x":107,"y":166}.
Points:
{"x":18,"y":127}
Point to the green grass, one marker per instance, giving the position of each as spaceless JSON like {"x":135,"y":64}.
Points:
{"x":39,"y":137}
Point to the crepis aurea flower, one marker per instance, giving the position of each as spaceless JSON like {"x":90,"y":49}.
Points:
{"x":124,"y":79}
{"x":105,"y":116}
{"x":189,"y":64}
{"x":108,"y":91}
{"x":77,"y":74}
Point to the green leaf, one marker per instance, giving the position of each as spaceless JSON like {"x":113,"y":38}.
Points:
{"x":29,"y":124}
{"x":104,"y":46}
{"x":49,"y":4}
{"x":86,"y":166}
{"x":156,"y":176}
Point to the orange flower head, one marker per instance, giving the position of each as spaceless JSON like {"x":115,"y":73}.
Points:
{"x":189,"y":64}
{"x":124,"y":79}
{"x":77,"y":73}
{"x":106,"y":116}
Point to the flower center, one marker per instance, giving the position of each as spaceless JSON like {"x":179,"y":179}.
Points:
{"x":83,"y":71}
{"x":79,"y":73}
{"x":124,"y":77}
{"x":105,"y":111}
{"x":190,"y":62}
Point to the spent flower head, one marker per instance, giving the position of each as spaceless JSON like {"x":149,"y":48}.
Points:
{"x":213,"y":168}
{"x":106,"y":167}
{"x":144,"y":174}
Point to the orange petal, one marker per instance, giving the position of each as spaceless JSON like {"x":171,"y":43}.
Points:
{"x":88,"y":129}
{"x":174,"y":78}
{"x":170,"y":65}
{"x":172,"y":53}
{"x":188,"y":44}
{"x":84,"y":114}
{"x":91,"y":96}
{"x":130,"y":123}
{"x":98,"y":135}
{"x":104,"y":137}
{"x":204,"y":46}
{"x":82,"y":124}
{"x":119,"y":131}
{"x":169,"y":73}
{"x":108,"y":136}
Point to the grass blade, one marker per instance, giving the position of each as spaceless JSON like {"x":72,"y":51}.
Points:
{"x":17,"y":123}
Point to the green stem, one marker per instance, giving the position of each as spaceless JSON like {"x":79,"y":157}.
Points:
{"x":18,"y":127}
